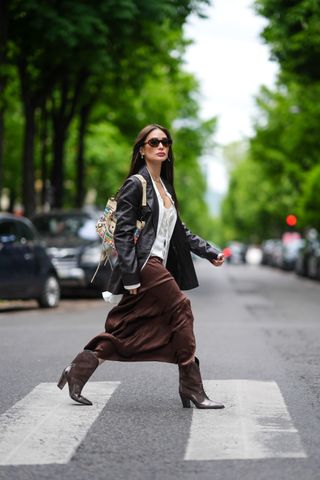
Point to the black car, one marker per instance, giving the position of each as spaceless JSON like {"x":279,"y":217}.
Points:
{"x":73,"y":245}
{"x":26,"y":271}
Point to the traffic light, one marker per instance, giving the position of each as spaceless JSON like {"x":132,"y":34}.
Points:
{"x":291,"y":220}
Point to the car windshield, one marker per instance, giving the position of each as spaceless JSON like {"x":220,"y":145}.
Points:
{"x":76,"y":228}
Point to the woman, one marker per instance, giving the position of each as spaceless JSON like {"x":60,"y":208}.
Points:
{"x":153,"y":321}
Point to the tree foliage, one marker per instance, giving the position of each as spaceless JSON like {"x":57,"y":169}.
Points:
{"x":293,"y":34}
{"x":84,"y":79}
{"x":278,"y":175}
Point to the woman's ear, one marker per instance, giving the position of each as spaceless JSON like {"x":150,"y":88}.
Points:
{"x":141,"y":150}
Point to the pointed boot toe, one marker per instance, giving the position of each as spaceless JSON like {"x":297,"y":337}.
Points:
{"x":80,"y":399}
{"x":77,"y":374}
{"x":191,"y":388}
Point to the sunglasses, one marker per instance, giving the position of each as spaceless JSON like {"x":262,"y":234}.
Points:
{"x":155,"y":142}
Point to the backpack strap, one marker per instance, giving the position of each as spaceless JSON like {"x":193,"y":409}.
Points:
{"x":144,"y":189}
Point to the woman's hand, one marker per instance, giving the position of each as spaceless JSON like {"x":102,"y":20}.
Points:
{"x":134,"y":291}
{"x":219,"y":261}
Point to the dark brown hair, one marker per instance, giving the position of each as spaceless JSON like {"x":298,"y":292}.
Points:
{"x":137,"y":161}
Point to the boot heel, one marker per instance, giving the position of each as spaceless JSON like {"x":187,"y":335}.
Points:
{"x":185,"y":401}
{"x":63,"y":380}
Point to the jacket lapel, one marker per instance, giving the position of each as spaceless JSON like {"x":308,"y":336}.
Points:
{"x":168,"y":187}
{"x":152,"y":199}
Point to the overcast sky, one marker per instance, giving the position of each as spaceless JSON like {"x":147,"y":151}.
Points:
{"x":231,"y":62}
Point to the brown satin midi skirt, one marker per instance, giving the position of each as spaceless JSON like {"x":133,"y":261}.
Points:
{"x":154,"y":325}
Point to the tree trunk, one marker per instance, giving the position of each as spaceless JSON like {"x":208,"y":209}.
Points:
{"x":44,"y":154}
{"x":3,"y":80}
{"x":57,"y":175}
{"x":62,"y":117}
{"x":80,"y":168}
{"x":28,"y":177}
{"x":29,"y":106}
{"x":1,"y":148}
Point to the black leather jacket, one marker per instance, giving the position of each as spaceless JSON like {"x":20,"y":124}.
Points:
{"x":125,"y":268}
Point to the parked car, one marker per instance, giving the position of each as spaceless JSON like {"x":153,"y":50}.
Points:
{"x":268,"y":250}
{"x":235,"y":252}
{"x":304,"y":264}
{"x":275,"y":254}
{"x":73,"y":245}
{"x":313,"y":262}
{"x":289,"y":253}
{"x":282,"y":253}
{"x":26,"y":271}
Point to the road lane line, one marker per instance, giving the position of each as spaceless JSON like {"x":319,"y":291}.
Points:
{"x":46,"y":426}
{"x":255,"y":424}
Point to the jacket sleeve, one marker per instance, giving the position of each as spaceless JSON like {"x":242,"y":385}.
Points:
{"x":128,"y":205}
{"x":200,"y":247}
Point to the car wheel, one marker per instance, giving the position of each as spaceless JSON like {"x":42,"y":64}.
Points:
{"x":50,"y":295}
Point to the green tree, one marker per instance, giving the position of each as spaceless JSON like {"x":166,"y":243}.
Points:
{"x":13,"y":138}
{"x":83,"y":47}
{"x":108,"y":145}
{"x":310,"y":198}
{"x":284,"y":150}
{"x":293,"y":34}
{"x":3,"y":78}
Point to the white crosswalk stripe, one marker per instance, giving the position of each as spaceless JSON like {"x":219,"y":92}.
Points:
{"x":255,"y":424}
{"x":46,"y":426}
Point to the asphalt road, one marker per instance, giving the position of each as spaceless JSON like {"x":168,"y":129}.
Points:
{"x":252,"y":324}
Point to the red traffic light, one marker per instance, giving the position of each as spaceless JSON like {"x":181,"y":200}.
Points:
{"x":291,"y":220}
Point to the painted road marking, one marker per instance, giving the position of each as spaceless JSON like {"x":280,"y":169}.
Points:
{"x":255,"y":424}
{"x":46,"y":426}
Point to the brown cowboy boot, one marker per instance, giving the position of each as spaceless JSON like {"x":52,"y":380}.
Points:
{"x":77,"y":374}
{"x":191,"y":387}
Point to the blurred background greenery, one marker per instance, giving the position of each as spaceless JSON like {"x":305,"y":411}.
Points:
{"x":79,"y":79}
{"x":278,"y":171}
